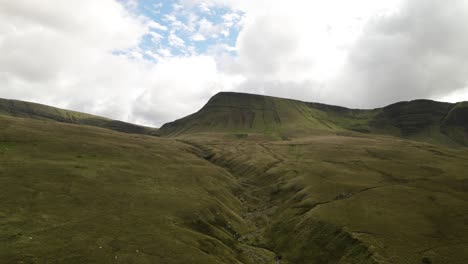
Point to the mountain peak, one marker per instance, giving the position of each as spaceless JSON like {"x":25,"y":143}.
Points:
{"x":234,"y":113}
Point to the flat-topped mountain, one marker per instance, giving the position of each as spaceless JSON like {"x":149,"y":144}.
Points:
{"x":424,"y":120}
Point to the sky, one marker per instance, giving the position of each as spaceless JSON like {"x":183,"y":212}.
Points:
{"x":150,"y":62}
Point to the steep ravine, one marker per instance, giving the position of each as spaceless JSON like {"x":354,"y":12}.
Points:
{"x":250,"y":243}
{"x":274,"y":224}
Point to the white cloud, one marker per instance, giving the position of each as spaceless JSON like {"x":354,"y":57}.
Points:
{"x":195,"y":18}
{"x":198,"y":37}
{"x":306,"y":41}
{"x":207,"y":28}
{"x":204,"y":7}
{"x":177,"y":6}
{"x":419,"y":52}
{"x":165,"y":52}
{"x":40,"y":42}
{"x":357,"y":53}
{"x":85,"y":54}
{"x":155,"y":37}
{"x":175,"y":24}
{"x":231,"y":19}
{"x":175,"y":41}
{"x":70,"y":55}
{"x":155,"y":25}
{"x":178,"y":86}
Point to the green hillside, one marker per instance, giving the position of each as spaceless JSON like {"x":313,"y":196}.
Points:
{"x":422,"y":120}
{"x":243,"y":180}
{"x":92,"y":195}
{"x":351,"y":199}
{"x":244,"y":113}
{"x":23,"y":109}
{"x":455,"y":123}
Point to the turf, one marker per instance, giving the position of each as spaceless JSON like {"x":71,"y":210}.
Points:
{"x":24,"y":109}
{"x":345,"y":199}
{"x":242,"y":180}
{"x":422,"y":120}
{"x":78,"y":194}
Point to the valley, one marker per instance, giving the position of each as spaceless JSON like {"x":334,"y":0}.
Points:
{"x":243,"y":180}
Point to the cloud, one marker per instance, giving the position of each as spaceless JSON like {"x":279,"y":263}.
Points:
{"x":178,"y":87}
{"x":419,"y":52}
{"x":70,"y":55}
{"x":175,"y":41}
{"x":155,"y":37}
{"x":38,"y":42}
{"x":359,"y":54}
{"x":285,"y":89}
{"x":232,"y":19}
{"x":156,"y":26}
{"x":204,"y":7}
{"x":93,"y":56}
{"x":198,"y":37}
{"x":306,"y":41}
{"x":207,"y":29}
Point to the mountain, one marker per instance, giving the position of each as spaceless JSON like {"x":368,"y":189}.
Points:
{"x":24,"y":109}
{"x":423,"y":120}
{"x":247,"y":113}
{"x":243,"y":180}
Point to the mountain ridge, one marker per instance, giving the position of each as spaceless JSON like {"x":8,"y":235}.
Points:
{"x":420,"y":119}
{"x":24,"y":109}
{"x":243,"y":114}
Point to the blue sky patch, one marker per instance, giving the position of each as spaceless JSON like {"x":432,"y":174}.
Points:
{"x":186,"y":29}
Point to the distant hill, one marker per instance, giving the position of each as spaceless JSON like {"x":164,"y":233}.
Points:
{"x":424,"y":120}
{"x":16,"y":108}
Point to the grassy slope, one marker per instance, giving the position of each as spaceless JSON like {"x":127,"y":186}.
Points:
{"x":351,"y":199}
{"x":422,"y":120}
{"x":78,"y":194}
{"x":43,"y":112}
{"x":246,"y":113}
{"x":322,"y":194}
{"x":455,"y":123}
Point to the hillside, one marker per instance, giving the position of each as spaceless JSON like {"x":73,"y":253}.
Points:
{"x":24,"y":109}
{"x":239,"y":113}
{"x":73,"y":194}
{"x":243,"y":180}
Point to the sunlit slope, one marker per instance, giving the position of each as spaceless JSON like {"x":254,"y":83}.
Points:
{"x":351,"y":199}
{"x":43,"y":112}
{"x":239,"y":113}
{"x":248,"y":113}
{"x":79,"y":194}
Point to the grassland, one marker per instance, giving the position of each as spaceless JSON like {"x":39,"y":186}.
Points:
{"x":421,"y":120}
{"x":240,"y":181}
{"x":36,"y":111}
{"x":352,"y":199}
{"x":78,"y":194}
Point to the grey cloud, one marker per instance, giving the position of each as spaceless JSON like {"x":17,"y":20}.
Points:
{"x":305,"y":90}
{"x":268,"y":47}
{"x":420,"y":52}
{"x":264,"y":45}
{"x":154,"y":108}
{"x":56,"y":56}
